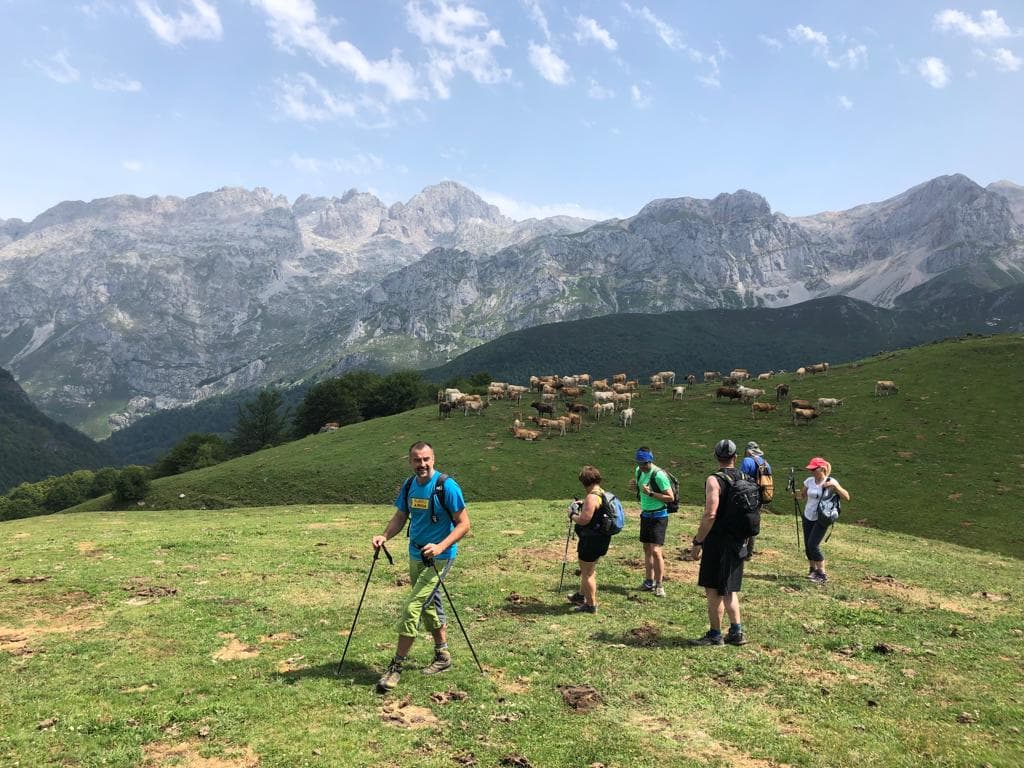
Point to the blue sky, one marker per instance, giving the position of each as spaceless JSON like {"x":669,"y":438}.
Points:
{"x":542,"y":107}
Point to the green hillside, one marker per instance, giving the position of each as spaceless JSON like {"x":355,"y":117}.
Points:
{"x":941,"y":459}
{"x":33,"y":446}
{"x":194,"y":640}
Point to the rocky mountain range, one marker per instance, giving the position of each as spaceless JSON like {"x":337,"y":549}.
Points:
{"x":117,"y":307}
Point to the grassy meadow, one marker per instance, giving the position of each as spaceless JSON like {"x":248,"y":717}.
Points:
{"x":942,"y":458}
{"x":208,"y":639}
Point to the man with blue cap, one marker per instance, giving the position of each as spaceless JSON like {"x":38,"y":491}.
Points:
{"x":654,"y":491}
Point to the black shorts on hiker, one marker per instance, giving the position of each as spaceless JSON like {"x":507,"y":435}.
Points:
{"x":590,"y":548}
{"x":652,"y":530}
{"x":721,"y":566}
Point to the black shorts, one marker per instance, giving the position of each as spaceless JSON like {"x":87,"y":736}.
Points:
{"x":721,"y":566}
{"x":591,"y":548}
{"x":652,"y":530}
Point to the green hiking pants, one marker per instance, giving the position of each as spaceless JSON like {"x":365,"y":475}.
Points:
{"x":424,"y":600}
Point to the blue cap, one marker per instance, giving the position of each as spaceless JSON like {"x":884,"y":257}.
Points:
{"x":643,"y":457}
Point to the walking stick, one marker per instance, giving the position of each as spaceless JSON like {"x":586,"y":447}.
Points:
{"x":376,"y":554}
{"x":430,"y":561}
{"x":791,"y":487}
{"x":565,"y":555}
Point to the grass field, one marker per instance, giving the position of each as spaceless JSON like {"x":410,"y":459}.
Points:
{"x":941,"y":459}
{"x":208,"y":640}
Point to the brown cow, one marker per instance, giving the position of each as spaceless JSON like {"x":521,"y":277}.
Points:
{"x":762,"y":408}
{"x":729,"y":392}
{"x":807,"y":405}
{"x":781,"y":391}
{"x":803,"y":416}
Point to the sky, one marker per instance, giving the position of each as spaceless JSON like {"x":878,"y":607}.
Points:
{"x":542,"y":107}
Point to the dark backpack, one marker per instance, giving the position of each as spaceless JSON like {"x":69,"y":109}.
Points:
{"x":437,"y":495}
{"x":739,"y":508}
{"x":670,"y":506}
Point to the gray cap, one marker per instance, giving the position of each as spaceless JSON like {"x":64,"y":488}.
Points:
{"x":754,"y":448}
{"x":725,"y":449}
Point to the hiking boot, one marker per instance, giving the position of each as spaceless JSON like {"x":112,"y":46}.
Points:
{"x":735,"y":638}
{"x":659,"y":590}
{"x":442,"y":661}
{"x":647,"y":585}
{"x":818,"y":577}
{"x":576,"y":598}
{"x":585,"y":608}
{"x":708,"y":638}
{"x":823,"y":576}
{"x":389,"y":680}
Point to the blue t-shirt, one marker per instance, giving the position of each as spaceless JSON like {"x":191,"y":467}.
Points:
{"x":749,"y":467}
{"x":421,"y":529}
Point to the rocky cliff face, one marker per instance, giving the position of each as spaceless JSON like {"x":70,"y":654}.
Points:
{"x":126,"y":305}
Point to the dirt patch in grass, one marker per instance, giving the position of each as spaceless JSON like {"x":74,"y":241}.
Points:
{"x":699,"y":744}
{"x":581,"y":698}
{"x":645,"y":635}
{"x":73,"y":619}
{"x":404,"y":714}
{"x":549,"y":553}
{"x":917,"y":595}
{"x":519,"y":684}
{"x":446,"y":697}
{"x":186,"y":754}
{"x":28,"y":579}
{"x":292,"y":664}
{"x":278,"y":639}
{"x":89,"y":549}
{"x":234,"y":649}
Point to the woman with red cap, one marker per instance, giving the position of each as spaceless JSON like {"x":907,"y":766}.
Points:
{"x":819,"y":485}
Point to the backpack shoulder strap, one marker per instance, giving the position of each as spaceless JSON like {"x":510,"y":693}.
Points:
{"x":439,"y":494}
{"x":406,"y":488}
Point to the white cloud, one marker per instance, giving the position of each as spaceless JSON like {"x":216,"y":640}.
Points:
{"x":132,"y":165}
{"x":771,"y":42}
{"x":845,"y":103}
{"x":989,"y":26}
{"x":202,"y":23}
{"x":450,"y":34}
{"x":854,"y":57}
{"x":537,"y":15}
{"x":588,"y":29}
{"x":668,"y":34}
{"x":549,"y":64}
{"x":641,"y":100}
{"x":295,"y":25}
{"x":598,"y":92}
{"x":303,"y":99}
{"x":520,"y":210}
{"x":360,"y":164}
{"x":58,"y":68}
{"x":121,"y":83}
{"x":1003,"y":58}
{"x":934,"y":71}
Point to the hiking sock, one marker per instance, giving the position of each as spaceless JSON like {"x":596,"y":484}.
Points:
{"x":438,"y":647}
{"x":714,"y":632}
{"x":735,"y":629}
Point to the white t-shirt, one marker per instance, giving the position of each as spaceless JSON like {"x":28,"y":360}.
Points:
{"x":813,"y":497}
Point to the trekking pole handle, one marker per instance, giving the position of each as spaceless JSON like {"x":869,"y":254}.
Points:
{"x":376,"y":554}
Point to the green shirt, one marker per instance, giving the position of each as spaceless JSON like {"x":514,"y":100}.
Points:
{"x":660,"y":484}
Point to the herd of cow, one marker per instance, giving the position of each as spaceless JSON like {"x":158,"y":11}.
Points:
{"x":615,"y":397}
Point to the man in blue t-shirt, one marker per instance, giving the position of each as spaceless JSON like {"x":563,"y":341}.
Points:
{"x":752,"y":459}
{"x":437,"y":520}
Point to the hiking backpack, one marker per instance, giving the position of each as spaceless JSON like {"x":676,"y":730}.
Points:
{"x":436,"y":497}
{"x":670,"y":506}
{"x":740,"y":507}
{"x":764,"y":480}
{"x":828,"y":506}
{"x":608,"y":520}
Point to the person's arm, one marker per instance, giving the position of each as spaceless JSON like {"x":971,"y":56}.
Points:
{"x":590,"y":505}
{"x":802,"y":493}
{"x":834,"y":485}
{"x":656,"y":493}
{"x":711,"y":493}
{"x":395,"y":524}
{"x":461,"y":520}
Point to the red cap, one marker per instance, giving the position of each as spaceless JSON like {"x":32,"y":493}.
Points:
{"x":816,"y":462}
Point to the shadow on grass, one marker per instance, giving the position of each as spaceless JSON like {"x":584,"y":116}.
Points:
{"x":353,"y":672}
{"x":643,"y":641}
{"x":555,"y":605}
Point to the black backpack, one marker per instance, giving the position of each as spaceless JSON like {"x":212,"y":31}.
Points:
{"x":437,"y":495}
{"x":739,"y":508}
{"x":670,"y":506}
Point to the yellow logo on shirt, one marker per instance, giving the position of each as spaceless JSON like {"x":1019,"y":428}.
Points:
{"x":419,"y":503}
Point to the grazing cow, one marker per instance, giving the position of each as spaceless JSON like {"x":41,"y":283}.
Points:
{"x":548,"y":397}
{"x":444,"y":410}
{"x":677,"y":393}
{"x":526,"y":434}
{"x":574,"y":421}
{"x":601,"y":408}
{"x":801,"y":371}
{"x":603,"y":397}
{"x":711,"y":376}
{"x":739,"y":373}
{"x":807,"y":405}
{"x":885,"y":388}
{"x":577,"y":408}
{"x":330,"y":426}
{"x":548,"y":424}
{"x":474,"y":405}
{"x":543,"y":407}
{"x":803,"y":416}
{"x":669,"y":377}
{"x":600,"y":385}
{"x":658,"y":386}
{"x":626,"y":417}
{"x":731,"y":381}
{"x":818,"y":368}
{"x":762,"y":408}
{"x":728,"y":392}
{"x":828,"y":402}
{"x":781,"y":391}
{"x":765,"y":376}
{"x":690,"y":379}
{"x":619,"y":378}
{"x":748,"y":395}
{"x":571,"y":392}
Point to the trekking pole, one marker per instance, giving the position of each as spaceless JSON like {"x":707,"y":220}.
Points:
{"x":565,"y":555}
{"x":440,"y":581}
{"x":376,"y":554}
{"x":791,"y":487}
